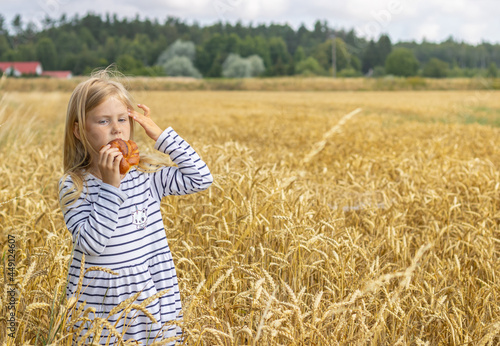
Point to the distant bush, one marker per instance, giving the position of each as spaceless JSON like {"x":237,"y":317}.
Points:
{"x":349,"y":72}
{"x":178,"y":48}
{"x":401,"y":62}
{"x":378,"y":71}
{"x":436,"y":68}
{"x":309,"y":66}
{"x":492,"y":70}
{"x":181,"y":66}
{"x":178,"y":58}
{"x":237,"y":67}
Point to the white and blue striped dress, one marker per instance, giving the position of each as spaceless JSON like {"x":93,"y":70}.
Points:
{"x":122,"y":229}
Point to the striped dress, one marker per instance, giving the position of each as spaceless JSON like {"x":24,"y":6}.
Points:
{"x":122,"y":229}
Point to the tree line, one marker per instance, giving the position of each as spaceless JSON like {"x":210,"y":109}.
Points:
{"x":139,"y":47}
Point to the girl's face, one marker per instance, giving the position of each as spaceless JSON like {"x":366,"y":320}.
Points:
{"x":106,"y":122}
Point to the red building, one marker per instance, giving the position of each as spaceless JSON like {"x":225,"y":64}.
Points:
{"x":58,"y":74}
{"x":18,"y":69}
{"x":30,"y":68}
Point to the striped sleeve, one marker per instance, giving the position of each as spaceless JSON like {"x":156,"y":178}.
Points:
{"x":92,"y":223}
{"x":191,"y":174}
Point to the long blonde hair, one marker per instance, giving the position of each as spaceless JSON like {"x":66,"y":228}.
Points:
{"x":76,"y":153}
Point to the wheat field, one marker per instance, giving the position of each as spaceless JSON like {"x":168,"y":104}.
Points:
{"x":335,"y":218}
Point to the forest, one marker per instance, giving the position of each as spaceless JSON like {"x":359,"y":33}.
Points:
{"x":175,"y":48}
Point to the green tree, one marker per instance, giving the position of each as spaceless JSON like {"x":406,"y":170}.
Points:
{"x":140,"y":48}
{"x":85,"y":36}
{"x":181,"y":66}
{"x":177,"y":59}
{"x":25,"y":52}
{"x":343,"y":57}
{"x":4,"y":47}
{"x":309,"y":66}
{"x":178,"y":48}
{"x":279,"y":56}
{"x":2,"y":25}
{"x":299,"y":55}
{"x":323,"y":54}
{"x":384,"y":48}
{"x":46,"y":53}
{"x":370,"y":57}
{"x":355,"y":63}
{"x":401,"y":62}
{"x":210,"y":57}
{"x":247,"y":46}
{"x":17,"y":25}
{"x":492,"y":70}
{"x":85,"y":61}
{"x":237,"y":67}
{"x":111,"y":49}
{"x":126,"y":63}
{"x":436,"y":68}
{"x":262,"y":50}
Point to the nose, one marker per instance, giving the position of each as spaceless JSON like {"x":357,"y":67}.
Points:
{"x":116,"y":127}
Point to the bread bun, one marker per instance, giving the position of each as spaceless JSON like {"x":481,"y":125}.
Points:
{"x":130,"y":153}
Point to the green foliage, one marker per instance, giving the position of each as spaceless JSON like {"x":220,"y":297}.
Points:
{"x":46,"y":53}
{"x":492,"y":70}
{"x":178,"y":48}
{"x":257,"y":65}
{"x":378,"y":71}
{"x":401,"y":62}
{"x":127,"y":64}
{"x":280,"y":57}
{"x":343,"y":59}
{"x":384,"y":48}
{"x":299,"y":54}
{"x":308,"y":67}
{"x":83,"y":43}
{"x":4,"y":47}
{"x":376,"y":54}
{"x":348,"y":72}
{"x":177,"y":60}
{"x":355,"y":63}
{"x":370,"y":57}
{"x":180,"y":66}
{"x":237,"y":67}
{"x":435,"y":68}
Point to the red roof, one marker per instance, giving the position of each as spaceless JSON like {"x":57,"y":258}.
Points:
{"x":25,"y":67}
{"x":57,"y":74}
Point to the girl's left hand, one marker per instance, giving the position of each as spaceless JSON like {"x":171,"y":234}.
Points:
{"x":152,"y":130}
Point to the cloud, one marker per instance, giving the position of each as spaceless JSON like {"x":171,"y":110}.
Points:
{"x":431,"y":31}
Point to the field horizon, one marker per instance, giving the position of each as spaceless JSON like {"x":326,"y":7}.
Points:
{"x":293,"y":83}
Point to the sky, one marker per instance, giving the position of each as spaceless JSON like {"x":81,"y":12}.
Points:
{"x":472,"y":21}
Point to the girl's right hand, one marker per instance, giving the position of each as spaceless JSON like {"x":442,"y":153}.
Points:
{"x":109,"y":165}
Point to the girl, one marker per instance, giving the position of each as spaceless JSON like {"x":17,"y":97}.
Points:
{"x":115,"y":219}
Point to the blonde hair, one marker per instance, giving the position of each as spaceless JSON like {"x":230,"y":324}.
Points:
{"x":76,"y":153}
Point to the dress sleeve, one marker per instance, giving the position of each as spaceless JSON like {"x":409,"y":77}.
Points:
{"x":92,"y":221}
{"x":191,"y":174}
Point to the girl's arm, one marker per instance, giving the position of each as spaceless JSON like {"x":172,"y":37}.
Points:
{"x":92,"y":223}
{"x":191,"y":175}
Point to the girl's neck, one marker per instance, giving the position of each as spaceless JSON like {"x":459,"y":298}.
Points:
{"x":96,"y":173}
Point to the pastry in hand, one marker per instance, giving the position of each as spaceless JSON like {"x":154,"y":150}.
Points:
{"x":130,"y":153}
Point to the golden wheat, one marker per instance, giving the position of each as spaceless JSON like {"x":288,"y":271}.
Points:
{"x":384,"y":230}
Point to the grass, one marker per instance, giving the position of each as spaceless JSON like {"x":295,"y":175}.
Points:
{"x":378,"y":228}
{"x":296,"y":83}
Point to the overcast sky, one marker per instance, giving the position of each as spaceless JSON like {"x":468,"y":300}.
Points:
{"x":472,"y":21}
